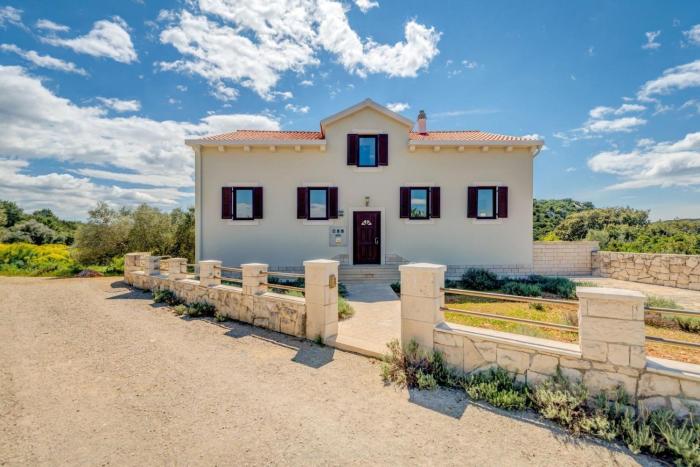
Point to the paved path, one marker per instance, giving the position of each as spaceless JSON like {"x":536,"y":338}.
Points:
{"x":684,"y":297}
{"x":376,"y":321}
{"x":92,"y":373}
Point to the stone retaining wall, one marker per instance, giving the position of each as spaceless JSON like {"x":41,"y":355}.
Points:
{"x":610,"y":352}
{"x":682,"y":271}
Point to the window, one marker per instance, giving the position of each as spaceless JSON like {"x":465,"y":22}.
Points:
{"x":486,"y":203}
{"x":419,"y":203}
{"x":367,"y":151}
{"x":318,"y":203}
{"x":243,"y":203}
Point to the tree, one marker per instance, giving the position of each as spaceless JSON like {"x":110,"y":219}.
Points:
{"x":31,"y":231}
{"x":549,"y":213}
{"x":104,"y":236}
{"x":577,"y":225}
{"x":183,"y":236}
{"x":13,"y":213}
{"x":151,"y":231}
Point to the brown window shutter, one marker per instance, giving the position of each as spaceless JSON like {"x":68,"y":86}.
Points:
{"x":404,"y":202}
{"x":435,"y":202}
{"x":502,"y":201}
{"x":471,"y":201}
{"x":383,"y":143}
{"x":257,"y":202}
{"x":353,"y":140}
{"x":333,"y":202}
{"x":226,"y":202}
{"x":302,"y":202}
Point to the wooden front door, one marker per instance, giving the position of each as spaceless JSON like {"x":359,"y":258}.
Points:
{"x":367,"y":237}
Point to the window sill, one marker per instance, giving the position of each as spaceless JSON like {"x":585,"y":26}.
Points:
{"x":419,"y":221}
{"x":247,"y":222}
{"x":486,"y":221}
{"x":317,"y":222}
{"x":368,"y":169}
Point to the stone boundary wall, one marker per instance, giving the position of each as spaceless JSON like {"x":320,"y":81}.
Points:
{"x":682,"y":271}
{"x":610,"y":352}
{"x":312,"y":316}
{"x":548,"y":258}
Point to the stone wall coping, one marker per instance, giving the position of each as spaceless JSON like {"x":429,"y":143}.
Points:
{"x":225,"y":288}
{"x":284,"y":297}
{"x":429,"y":266}
{"x":675,"y":369}
{"x":566,"y":242}
{"x":671,"y":255}
{"x":515,"y":340}
{"x":609,"y":293}
{"x":321,"y":261}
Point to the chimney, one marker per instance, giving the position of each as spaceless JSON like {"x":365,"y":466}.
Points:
{"x":422,"y":120}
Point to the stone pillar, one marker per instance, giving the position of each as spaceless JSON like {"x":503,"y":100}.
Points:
{"x":611,"y":327}
{"x":151,"y":265}
{"x":177,"y":268}
{"x":209,"y":273}
{"x":421,"y":299}
{"x":132,"y":262}
{"x":321,"y":292}
{"x":254,"y":278}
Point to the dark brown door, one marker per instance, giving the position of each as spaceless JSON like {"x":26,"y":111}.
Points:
{"x":366,"y":237}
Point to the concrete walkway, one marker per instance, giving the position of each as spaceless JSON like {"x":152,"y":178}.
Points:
{"x":376,"y":321}
{"x":685,"y":298}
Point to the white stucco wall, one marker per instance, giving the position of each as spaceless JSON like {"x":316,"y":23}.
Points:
{"x":280,"y":239}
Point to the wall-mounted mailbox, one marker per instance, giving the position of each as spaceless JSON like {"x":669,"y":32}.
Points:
{"x":337,"y":236}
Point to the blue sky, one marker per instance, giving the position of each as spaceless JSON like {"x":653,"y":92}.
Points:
{"x":96,"y":97}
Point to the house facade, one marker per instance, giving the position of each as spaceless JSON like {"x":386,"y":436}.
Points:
{"x":366,"y":189}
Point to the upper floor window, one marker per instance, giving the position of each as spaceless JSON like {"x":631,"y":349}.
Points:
{"x":368,"y":150}
{"x":487,"y":202}
{"x":241,"y":203}
{"x":318,"y":203}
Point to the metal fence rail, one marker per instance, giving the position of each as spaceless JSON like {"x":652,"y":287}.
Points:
{"x":285,"y":274}
{"x":663,"y":340}
{"x":506,"y":297}
{"x":532,"y":322}
{"x":283,"y":287}
{"x":671,"y":311}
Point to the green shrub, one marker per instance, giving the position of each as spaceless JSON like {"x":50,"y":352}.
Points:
{"x":537,"y":306}
{"x":688,"y":324}
{"x":521,"y":288}
{"x":344,"y":309}
{"x":166,"y":296}
{"x":479,"y":279}
{"x":199,"y":309}
{"x":497,"y":387}
{"x":396,"y":287}
{"x":220,"y":317}
{"x":342,"y":290}
{"x":180,"y":310}
{"x":661,"y":302}
{"x":559,"y":286}
{"x":24,"y":259}
{"x":115,"y":266}
{"x":559,"y":400}
{"x":415,"y":367}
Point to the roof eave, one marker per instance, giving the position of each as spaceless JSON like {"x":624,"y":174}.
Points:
{"x":359,"y":106}
{"x":452,"y":142}
{"x":256,"y":142}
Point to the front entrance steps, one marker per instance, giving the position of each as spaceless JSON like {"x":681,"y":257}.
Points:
{"x":380,"y":273}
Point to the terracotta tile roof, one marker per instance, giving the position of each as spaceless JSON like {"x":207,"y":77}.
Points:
{"x":241,"y":135}
{"x":468,"y":135}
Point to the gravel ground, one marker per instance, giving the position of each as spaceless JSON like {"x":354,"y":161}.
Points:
{"x":92,"y":373}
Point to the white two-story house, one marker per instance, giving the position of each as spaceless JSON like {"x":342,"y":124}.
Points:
{"x":367,"y":189}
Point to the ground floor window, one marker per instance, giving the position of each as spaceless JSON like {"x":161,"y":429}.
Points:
{"x":419,"y":203}
{"x":486,"y":203}
{"x":242,"y":203}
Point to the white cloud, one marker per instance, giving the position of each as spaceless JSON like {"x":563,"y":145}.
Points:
{"x":297,"y":109}
{"x":603,"y":121}
{"x":181,"y":87}
{"x":253,"y":43}
{"x":106,"y":39}
{"x":602,"y":111}
{"x":470,"y":64}
{"x":570,"y":169}
{"x":645,"y":142}
{"x":49,"y":25}
{"x":624,"y":124}
{"x":398,"y":106}
{"x":37,"y":124}
{"x":366,"y":5}
{"x":662,"y":164}
{"x":693,"y":35}
{"x":692,"y":104}
{"x":535,"y":136}
{"x":119,"y":105}
{"x":651,"y":43}
{"x":10,"y":15}
{"x":673,"y":79}
{"x":306,"y":82}
{"x":44,"y":61}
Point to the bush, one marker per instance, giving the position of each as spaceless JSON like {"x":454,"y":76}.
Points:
{"x":396,"y":287}
{"x":414,"y":367}
{"x":497,"y":387}
{"x":661,"y":302}
{"x":199,"y":309}
{"x":559,"y":400}
{"x":24,"y":259}
{"x":116,"y":266}
{"x":344,"y":309}
{"x":166,"y":296}
{"x":220,"y":317}
{"x":688,"y":324}
{"x":521,"y":288}
{"x":180,"y":310}
{"x":32,"y":231}
{"x":479,"y":279}
{"x":559,"y":286}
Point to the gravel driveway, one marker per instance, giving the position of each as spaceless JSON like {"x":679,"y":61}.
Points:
{"x":92,"y":373}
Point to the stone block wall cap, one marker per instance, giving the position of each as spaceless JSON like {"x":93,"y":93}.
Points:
{"x":673,"y":368}
{"x":257,"y":265}
{"x":321,"y":261}
{"x":608,"y":293}
{"x":210,"y":261}
{"x":422,"y":266}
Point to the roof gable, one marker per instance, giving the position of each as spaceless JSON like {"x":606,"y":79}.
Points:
{"x":367,"y":103}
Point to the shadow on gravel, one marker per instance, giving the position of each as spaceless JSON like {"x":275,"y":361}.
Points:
{"x":131,"y":294}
